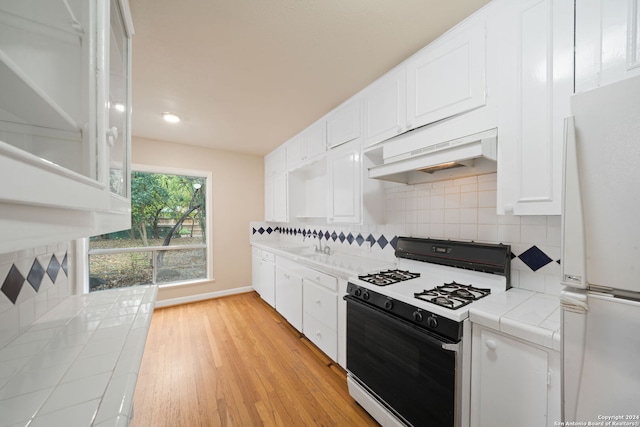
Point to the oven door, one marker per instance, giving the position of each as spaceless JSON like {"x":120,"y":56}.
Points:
{"x":411,"y":370}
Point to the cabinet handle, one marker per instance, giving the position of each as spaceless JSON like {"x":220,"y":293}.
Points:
{"x":508,"y":207}
{"x":318,"y":334}
{"x":491,"y":344}
{"x":112,"y":135}
{"x":318,"y":301}
{"x":317,"y":278}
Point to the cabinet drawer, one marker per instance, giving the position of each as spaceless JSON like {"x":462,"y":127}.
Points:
{"x":321,"y":278}
{"x":319,"y":334}
{"x":268,"y":256}
{"x":321,"y":304}
{"x":257,"y":252}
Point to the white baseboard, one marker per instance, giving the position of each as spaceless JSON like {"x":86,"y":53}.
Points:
{"x":201,"y":297}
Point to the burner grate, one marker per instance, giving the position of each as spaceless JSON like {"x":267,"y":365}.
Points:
{"x":388,"y":277}
{"x":452,"y":295}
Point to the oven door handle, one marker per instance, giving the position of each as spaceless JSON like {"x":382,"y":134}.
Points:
{"x":451,"y":347}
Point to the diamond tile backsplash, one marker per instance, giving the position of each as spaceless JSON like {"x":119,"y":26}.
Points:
{"x":461,"y":209}
{"x":32,"y":282}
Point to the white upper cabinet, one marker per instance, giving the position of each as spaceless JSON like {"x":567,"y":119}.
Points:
{"x":275,"y":183}
{"x":307,"y":145}
{"x":385,"y":107}
{"x":64,"y":121}
{"x":607,"y":42}
{"x":448,"y":76}
{"x":536,"y":84}
{"x":344,"y":165}
{"x":344,"y":123}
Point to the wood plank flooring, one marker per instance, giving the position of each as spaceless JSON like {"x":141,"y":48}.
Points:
{"x":234,"y":361}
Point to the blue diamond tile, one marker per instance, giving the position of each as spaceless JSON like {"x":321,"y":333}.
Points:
{"x":327,"y":235}
{"x":334,"y":236}
{"x":261,"y":230}
{"x":371,"y":240}
{"x":269,"y":230}
{"x":253,"y":230}
{"x":382,"y":241}
{"x":12,"y":284}
{"x":350,"y":238}
{"x":534,"y":258}
{"x":342,"y":237}
{"x":64,"y":265}
{"x":359,"y":239}
{"x":513,"y":255}
{"x":35,"y":275}
{"x":394,"y":242}
{"x":53,"y":268}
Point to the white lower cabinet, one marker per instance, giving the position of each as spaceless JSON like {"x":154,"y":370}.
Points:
{"x":289,"y":292}
{"x":513,"y":381}
{"x":256,"y":257}
{"x":320,"y":311}
{"x":267,"y":282}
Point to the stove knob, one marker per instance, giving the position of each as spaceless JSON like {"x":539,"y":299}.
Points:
{"x":358,"y":292}
{"x":365,"y":295}
{"x":417,"y":316}
{"x":432,"y":322}
{"x":388,"y":304}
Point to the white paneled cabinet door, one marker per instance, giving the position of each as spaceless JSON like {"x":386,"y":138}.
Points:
{"x":509,"y":382}
{"x":447,"y":77}
{"x":289,"y":296}
{"x":607,"y":42}
{"x":256,"y":258}
{"x":344,"y":166}
{"x":268,"y":279}
{"x":343,"y":123}
{"x":385,"y":107}
{"x":280,"y":211}
{"x":535,"y":89}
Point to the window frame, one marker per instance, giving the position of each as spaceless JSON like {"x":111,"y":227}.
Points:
{"x":82,"y":245}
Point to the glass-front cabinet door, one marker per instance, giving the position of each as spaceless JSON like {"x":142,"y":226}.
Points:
{"x":118,"y":129}
{"x":48,"y":101}
{"x":65,"y":109}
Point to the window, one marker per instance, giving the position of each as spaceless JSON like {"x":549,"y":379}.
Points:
{"x":167,"y":242}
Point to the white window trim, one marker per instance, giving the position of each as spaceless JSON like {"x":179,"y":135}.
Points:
{"x":82,"y":245}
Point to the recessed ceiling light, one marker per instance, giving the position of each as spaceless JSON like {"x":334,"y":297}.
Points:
{"x":171,"y":117}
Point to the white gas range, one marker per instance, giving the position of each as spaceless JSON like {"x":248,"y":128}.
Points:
{"x":407,"y":360}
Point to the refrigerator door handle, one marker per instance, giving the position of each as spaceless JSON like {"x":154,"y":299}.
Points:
{"x":574,"y":309}
{"x":573,"y":272}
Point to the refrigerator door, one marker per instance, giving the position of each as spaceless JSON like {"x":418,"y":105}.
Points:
{"x":607,"y":126}
{"x":601,"y":343}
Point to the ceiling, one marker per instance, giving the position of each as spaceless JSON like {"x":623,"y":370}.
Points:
{"x":247,"y":75}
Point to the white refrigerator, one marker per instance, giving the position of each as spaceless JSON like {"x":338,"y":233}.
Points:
{"x":601,"y":256}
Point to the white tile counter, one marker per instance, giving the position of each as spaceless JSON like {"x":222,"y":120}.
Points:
{"x":338,"y":264}
{"x":78,"y":365}
{"x":524,"y":314}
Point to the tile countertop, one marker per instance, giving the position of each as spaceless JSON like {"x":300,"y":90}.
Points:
{"x":524,"y":314}
{"x":338,"y":264}
{"x":78,"y":365}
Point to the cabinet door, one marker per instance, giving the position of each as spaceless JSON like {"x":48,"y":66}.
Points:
{"x":509,"y":382}
{"x":385,"y":107}
{"x":607,"y":44}
{"x":295,"y":152}
{"x":448,"y":77}
{"x":256,"y":257}
{"x":535,"y":92}
{"x":280,"y":211}
{"x":315,"y":139}
{"x":289,"y":297}
{"x":344,"y":166}
{"x":343,"y":124}
{"x":268,"y":282}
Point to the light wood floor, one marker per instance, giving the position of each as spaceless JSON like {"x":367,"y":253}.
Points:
{"x":234,"y":361}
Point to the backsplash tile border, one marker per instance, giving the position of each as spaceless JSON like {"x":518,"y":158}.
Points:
{"x":533,"y":257}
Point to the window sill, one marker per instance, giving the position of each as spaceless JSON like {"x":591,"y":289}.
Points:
{"x":185,"y":283}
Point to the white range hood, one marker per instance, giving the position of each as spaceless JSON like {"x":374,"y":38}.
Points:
{"x":469,"y":155}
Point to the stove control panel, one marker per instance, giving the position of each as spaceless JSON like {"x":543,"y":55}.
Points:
{"x":423,"y":319}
